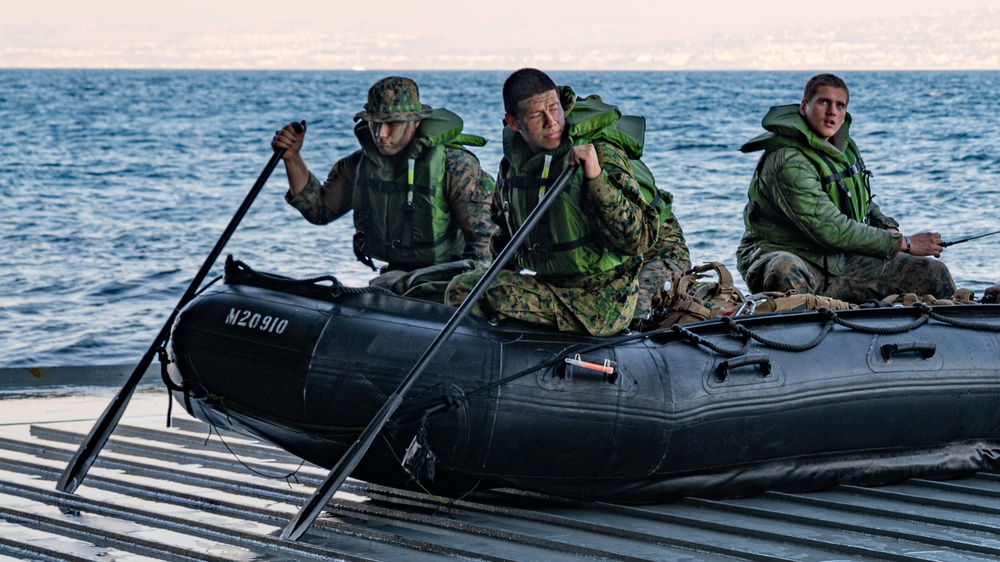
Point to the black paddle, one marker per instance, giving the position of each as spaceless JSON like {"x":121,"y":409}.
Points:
{"x":311,"y":510}
{"x":85,"y":456}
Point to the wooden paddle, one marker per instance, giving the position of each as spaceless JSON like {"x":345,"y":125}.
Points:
{"x":85,"y":456}
{"x":311,"y":510}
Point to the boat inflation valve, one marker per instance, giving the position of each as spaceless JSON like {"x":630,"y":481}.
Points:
{"x":590,"y":366}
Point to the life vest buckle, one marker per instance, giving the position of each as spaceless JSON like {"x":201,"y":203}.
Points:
{"x":539,"y":250}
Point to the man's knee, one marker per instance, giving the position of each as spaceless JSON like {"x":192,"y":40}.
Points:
{"x":783,"y":272}
{"x":939,"y":279}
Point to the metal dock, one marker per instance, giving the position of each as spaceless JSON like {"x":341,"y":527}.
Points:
{"x":187,"y":493}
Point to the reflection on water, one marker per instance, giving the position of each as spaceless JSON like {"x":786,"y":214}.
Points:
{"x":124,"y":180}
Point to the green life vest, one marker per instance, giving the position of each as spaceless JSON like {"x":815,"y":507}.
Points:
{"x":632,"y":129}
{"x":562,"y":243}
{"x":843,"y":176}
{"x":845,"y":182}
{"x":400,"y":210}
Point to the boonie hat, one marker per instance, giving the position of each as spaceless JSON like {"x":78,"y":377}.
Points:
{"x":394,"y":99}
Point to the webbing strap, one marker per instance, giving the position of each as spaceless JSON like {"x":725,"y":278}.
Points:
{"x":849,"y":172}
{"x":547,"y":249}
{"x":520,"y":182}
{"x":383,"y":186}
{"x":425,"y":245}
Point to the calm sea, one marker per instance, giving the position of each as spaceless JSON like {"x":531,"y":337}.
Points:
{"x":115,"y":185}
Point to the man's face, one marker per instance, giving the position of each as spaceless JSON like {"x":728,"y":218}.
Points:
{"x":392,"y":137}
{"x":541,"y":122}
{"x":825,"y":112}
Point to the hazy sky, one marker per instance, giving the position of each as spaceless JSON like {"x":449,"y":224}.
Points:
{"x":317,"y":33}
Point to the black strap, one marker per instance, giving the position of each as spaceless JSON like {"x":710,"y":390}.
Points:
{"x":838,"y":177}
{"x":546,"y":250}
{"x":406,"y":240}
{"x":849,"y":172}
{"x":656,"y":200}
{"x":383,"y":186}
{"x":425,"y":245}
{"x":521,"y":182}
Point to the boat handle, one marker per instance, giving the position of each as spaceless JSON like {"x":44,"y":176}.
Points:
{"x":926,"y":350}
{"x":762,"y":361}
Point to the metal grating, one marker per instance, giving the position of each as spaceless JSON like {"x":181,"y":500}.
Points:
{"x":184,"y":493}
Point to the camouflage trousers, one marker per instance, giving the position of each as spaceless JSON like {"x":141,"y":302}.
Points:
{"x":652,"y":276}
{"x":599,"y":305}
{"x":863,"y":278}
{"x":669,"y":254}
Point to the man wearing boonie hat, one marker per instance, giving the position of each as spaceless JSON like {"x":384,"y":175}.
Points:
{"x":419,"y":197}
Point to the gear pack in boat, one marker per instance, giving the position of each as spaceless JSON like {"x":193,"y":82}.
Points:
{"x":727,"y":407}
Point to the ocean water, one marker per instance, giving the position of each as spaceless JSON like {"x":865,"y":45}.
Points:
{"x":115,"y":185}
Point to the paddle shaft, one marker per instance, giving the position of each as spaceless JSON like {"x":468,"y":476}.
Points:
{"x":85,"y":456}
{"x":350,"y":459}
{"x":946,"y":244}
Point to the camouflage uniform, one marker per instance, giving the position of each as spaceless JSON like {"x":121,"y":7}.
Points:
{"x":670,"y":254}
{"x":798,"y":237}
{"x":597,"y":304}
{"x":467,"y":188}
{"x":863,"y":277}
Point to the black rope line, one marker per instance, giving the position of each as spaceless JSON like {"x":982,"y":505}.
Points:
{"x":774,"y":344}
{"x":698,"y":340}
{"x":879,"y":330}
{"x":745,"y":334}
{"x":967,"y":324}
{"x":288,"y":477}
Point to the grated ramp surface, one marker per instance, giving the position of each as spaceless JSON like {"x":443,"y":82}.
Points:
{"x":185,"y":493}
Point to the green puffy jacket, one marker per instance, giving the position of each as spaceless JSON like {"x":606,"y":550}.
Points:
{"x":810,"y":197}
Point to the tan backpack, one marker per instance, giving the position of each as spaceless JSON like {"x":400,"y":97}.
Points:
{"x":689,"y":297}
{"x":792,"y":301}
{"x":961,"y":296}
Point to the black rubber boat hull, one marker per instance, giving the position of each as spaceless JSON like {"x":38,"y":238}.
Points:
{"x":308,"y":374}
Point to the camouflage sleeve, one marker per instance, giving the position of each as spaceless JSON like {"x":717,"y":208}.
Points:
{"x":500,"y":236}
{"x":878,"y":220}
{"x":622,"y":215}
{"x":326,"y":202}
{"x":469,"y":191}
{"x":793,"y":185}
{"x":670,"y":245}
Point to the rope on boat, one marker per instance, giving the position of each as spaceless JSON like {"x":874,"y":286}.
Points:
{"x":311,"y":287}
{"x":698,"y":340}
{"x":747,"y":333}
{"x":736,"y":329}
{"x":880,"y":330}
{"x":929,"y":312}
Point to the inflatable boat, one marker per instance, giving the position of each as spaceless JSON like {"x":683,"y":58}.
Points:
{"x":723,"y":408}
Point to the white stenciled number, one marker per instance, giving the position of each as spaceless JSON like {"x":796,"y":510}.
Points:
{"x":255,"y":321}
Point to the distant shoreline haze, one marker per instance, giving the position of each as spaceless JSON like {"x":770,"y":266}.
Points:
{"x":959,"y":39}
